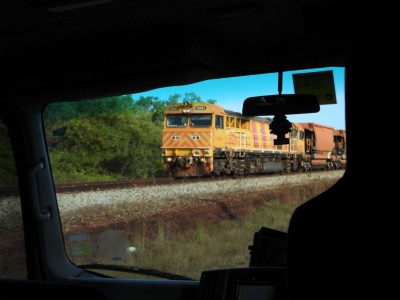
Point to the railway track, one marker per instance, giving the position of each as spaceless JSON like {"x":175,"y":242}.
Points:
{"x":109,"y":185}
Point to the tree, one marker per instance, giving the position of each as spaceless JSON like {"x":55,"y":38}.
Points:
{"x":153,"y":107}
{"x":191,"y":98}
{"x":174,"y":98}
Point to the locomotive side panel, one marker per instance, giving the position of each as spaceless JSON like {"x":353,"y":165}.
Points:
{"x":297,"y":146}
{"x":219,"y":130}
{"x":250,"y":147}
{"x":229,"y":157}
{"x":297,"y":139}
{"x":260,"y":136}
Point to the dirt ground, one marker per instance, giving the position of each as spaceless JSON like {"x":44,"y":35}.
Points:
{"x":179,"y":216}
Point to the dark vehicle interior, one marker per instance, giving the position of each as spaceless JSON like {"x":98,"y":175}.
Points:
{"x":56,"y":50}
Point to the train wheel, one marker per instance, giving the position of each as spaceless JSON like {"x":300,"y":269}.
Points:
{"x":295,"y":165}
{"x":305,"y":167}
{"x":287,"y":166}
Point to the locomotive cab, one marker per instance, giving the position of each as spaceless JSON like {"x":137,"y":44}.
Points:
{"x":189,"y":132}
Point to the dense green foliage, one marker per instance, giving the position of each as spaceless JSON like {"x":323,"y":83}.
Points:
{"x":107,"y":139}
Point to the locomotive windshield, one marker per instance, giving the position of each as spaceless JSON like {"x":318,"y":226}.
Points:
{"x":177,"y":120}
{"x":201,"y":120}
{"x":196,"y":120}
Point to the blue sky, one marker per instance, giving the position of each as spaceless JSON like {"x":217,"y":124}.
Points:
{"x":231,"y":92}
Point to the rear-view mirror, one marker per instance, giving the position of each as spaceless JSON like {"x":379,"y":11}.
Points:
{"x":285,"y":104}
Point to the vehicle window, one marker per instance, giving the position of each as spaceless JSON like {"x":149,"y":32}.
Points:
{"x":12,"y":243}
{"x":200,"y":120}
{"x":177,"y":120}
{"x":120,"y":170}
{"x":219,"y":122}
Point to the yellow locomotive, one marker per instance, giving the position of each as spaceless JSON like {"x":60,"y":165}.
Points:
{"x":203,"y":139}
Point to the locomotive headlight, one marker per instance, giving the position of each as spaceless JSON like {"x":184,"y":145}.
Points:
{"x":196,"y":152}
{"x":207,"y":152}
{"x":169,"y":159}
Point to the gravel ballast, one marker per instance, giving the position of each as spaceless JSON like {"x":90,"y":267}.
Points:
{"x":71,"y":201}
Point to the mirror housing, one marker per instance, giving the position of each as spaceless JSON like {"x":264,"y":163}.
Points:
{"x":283,"y":104}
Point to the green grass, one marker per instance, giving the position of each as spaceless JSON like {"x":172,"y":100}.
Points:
{"x":211,"y":244}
